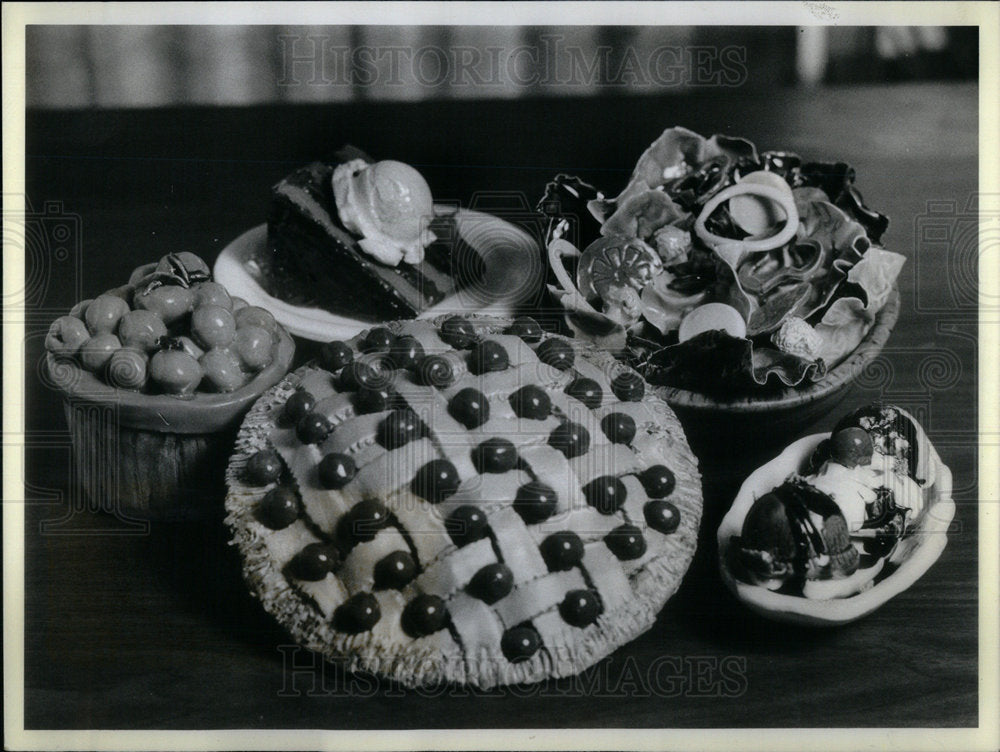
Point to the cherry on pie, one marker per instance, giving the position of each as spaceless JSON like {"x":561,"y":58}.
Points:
{"x":463,"y":500}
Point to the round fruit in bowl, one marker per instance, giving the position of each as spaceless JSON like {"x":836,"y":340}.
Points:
{"x":155,"y":377}
{"x":838,"y":524}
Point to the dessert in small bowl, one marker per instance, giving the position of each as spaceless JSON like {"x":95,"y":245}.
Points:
{"x":838,"y":524}
{"x":464,"y":499}
{"x":355,"y":242}
{"x":750,"y":285}
{"x":155,"y":377}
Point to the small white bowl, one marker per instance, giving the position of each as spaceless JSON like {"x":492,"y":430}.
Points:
{"x":916,"y":552}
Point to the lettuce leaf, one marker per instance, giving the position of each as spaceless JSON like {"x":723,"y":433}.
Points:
{"x":664,"y":308}
{"x":864,"y":292}
{"x":676,"y":150}
{"x":675,"y":153}
{"x":642,"y":214}
{"x":590,"y":326}
{"x":822,"y":222}
{"x":836,"y":180}
{"x":719,"y":364}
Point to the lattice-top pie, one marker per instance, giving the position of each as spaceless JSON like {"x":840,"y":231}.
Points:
{"x":470,"y":501}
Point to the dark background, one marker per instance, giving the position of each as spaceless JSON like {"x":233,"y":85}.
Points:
{"x":152,"y":627}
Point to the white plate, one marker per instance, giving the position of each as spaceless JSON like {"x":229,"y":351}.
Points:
{"x":914,"y":555}
{"x":513,"y":273}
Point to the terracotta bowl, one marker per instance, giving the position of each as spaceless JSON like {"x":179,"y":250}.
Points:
{"x":155,"y":456}
{"x":713,"y":426}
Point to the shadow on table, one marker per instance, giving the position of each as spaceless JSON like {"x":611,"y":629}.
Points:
{"x":195,"y":561}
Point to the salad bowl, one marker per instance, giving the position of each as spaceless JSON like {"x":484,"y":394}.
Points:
{"x":750,"y":287}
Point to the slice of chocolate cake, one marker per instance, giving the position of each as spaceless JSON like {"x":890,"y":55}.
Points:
{"x":322,"y":256}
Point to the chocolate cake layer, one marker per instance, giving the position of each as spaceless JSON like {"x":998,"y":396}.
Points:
{"x":311,"y":260}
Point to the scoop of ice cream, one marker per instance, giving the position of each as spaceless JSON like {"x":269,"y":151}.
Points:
{"x":858,"y":490}
{"x":795,"y":531}
{"x":389,"y":205}
{"x":851,"y":488}
{"x":869,"y":466}
{"x":895,"y":434}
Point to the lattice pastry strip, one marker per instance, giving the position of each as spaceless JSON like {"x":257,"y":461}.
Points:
{"x":500,"y":385}
{"x":390,"y":604}
{"x":445,"y":431}
{"x":476,"y":624}
{"x":606,"y":574}
{"x":586,"y":369}
{"x":552,"y":468}
{"x":605,"y":460}
{"x":537,"y":596}
{"x":327,"y":594}
{"x":355,"y":435}
{"x":635,"y":503}
{"x":557,"y":636}
{"x":488,"y":492}
{"x":517,"y":549}
{"x":390,"y":471}
{"x":358,"y":570}
{"x":484,"y":561}
{"x":318,"y":383}
{"x":576,"y":412}
{"x":427,"y":335}
{"x":282,"y":545}
{"x":423,"y":524}
{"x":586,"y":522}
{"x":452,"y":573}
{"x":323,"y":507}
{"x":336,"y":408}
{"x":519,"y":432}
{"x":364,"y":453}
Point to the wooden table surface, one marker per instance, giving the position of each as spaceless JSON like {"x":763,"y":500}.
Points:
{"x":127,"y":628}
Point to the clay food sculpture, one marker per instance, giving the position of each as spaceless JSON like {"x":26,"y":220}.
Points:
{"x":720,"y":269}
{"x":156,"y":376}
{"x":836,"y":525}
{"x":467,"y":500}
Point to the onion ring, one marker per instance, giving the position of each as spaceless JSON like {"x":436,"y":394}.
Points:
{"x":733,"y":251}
